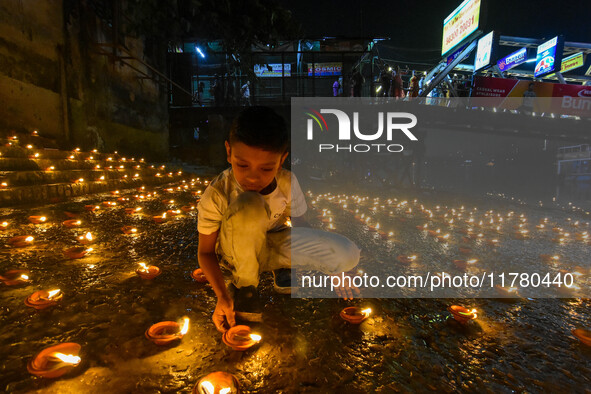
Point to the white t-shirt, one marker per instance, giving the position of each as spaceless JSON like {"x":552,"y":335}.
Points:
{"x":224,"y":190}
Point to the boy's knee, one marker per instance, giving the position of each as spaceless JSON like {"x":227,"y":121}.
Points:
{"x":350,"y":258}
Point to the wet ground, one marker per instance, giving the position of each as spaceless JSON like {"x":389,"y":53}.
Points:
{"x":407,"y":344}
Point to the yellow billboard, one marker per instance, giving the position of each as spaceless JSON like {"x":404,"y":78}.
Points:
{"x":462,"y":22}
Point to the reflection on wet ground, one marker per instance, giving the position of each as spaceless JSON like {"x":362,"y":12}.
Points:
{"x":406,"y":344}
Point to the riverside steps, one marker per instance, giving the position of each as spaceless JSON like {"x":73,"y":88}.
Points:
{"x":34,"y":170}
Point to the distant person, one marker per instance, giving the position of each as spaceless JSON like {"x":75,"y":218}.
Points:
{"x":335,"y":88}
{"x":529,"y":97}
{"x":385,"y":81}
{"x":245,"y":94}
{"x":413,"y":86}
{"x":397,"y":86}
{"x":341,"y":86}
{"x":217,"y":90}
{"x":198,"y":97}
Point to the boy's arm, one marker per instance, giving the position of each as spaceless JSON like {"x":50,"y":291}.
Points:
{"x":223,"y":315}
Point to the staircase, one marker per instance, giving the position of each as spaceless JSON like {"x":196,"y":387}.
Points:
{"x":34,"y":170}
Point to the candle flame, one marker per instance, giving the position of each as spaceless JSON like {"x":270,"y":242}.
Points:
{"x":207,"y":387}
{"x":52,"y":293}
{"x":67,"y":358}
{"x":255,"y":337}
{"x":185,"y":326}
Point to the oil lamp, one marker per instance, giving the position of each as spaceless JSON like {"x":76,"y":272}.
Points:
{"x":240,"y":338}
{"x":77,"y":252}
{"x":85,"y":239}
{"x":44,"y":299}
{"x":160,"y":219}
{"x":582,"y":335}
{"x":463,"y":264}
{"x":462,"y":314}
{"x":129,"y":230}
{"x":147,"y":272}
{"x":15,"y":277}
{"x":37,"y":219}
{"x":71,"y":223}
{"x":54,"y":361}
{"x":166,"y":332}
{"x":21,"y":241}
{"x":4,"y":225}
{"x":404,"y":259}
{"x":354,"y":314}
{"x":217,"y":383}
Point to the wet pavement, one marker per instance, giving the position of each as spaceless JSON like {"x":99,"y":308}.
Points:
{"x":406,"y":345}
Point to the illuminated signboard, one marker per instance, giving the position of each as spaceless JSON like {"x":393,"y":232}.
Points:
{"x":325,"y":69}
{"x":512,"y":60}
{"x":272,"y":70}
{"x":462,"y":22}
{"x":484,"y":53}
{"x":572,"y":62}
{"x":549,"y":56}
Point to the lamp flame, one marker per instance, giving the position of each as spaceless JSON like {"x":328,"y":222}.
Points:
{"x":25,"y":277}
{"x":144,"y":267}
{"x":29,"y":239}
{"x":367,"y":311}
{"x":185,"y":326}
{"x":52,"y":293}
{"x":255,"y":337}
{"x":67,"y":358}
{"x":207,"y":386}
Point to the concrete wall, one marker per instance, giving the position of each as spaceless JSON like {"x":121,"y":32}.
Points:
{"x":54,"y":78}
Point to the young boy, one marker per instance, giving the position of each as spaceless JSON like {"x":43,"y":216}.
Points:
{"x":243,"y":217}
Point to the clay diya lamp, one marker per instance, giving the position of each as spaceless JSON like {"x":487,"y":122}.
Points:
{"x":166,"y":332}
{"x":582,"y":335}
{"x":37,"y":219}
{"x":160,"y":219}
{"x":354,"y":314}
{"x":548,"y":258}
{"x":91,"y":208}
{"x":4,"y":225}
{"x":15,"y":277}
{"x":198,"y":275}
{"x":173,"y":212}
{"x":21,"y":241}
{"x":109,"y":203}
{"x":507,"y":291}
{"x":77,"y":252}
{"x":443,"y":238}
{"x":44,"y":299}
{"x":54,"y":361}
{"x":114,"y":192}
{"x":384,"y":235}
{"x":71,"y":223}
{"x":462,"y":314}
{"x":240,"y":338}
{"x":492,"y":242}
{"x":131,"y":211}
{"x":86,"y":239}
{"x":217,"y":383}
{"x":147,"y":272}
{"x":463,"y":264}
{"x":465,"y":250}
{"x":404,"y":259}
{"x":129,"y":230}
{"x":188,"y":208}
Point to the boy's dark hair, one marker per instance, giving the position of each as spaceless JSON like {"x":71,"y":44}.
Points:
{"x":260,"y":127}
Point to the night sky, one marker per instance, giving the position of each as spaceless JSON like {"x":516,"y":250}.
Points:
{"x":418,"y":24}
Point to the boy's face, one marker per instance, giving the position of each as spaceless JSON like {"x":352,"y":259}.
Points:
{"x":254,"y":168}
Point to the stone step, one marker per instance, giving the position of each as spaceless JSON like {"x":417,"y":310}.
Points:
{"x":55,"y":154}
{"x":23,"y":178}
{"x":27,"y":139}
{"x":57,"y":192}
{"x":43,"y":164}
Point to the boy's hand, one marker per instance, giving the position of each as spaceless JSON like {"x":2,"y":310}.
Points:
{"x":345,"y":291}
{"x":223,"y":315}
